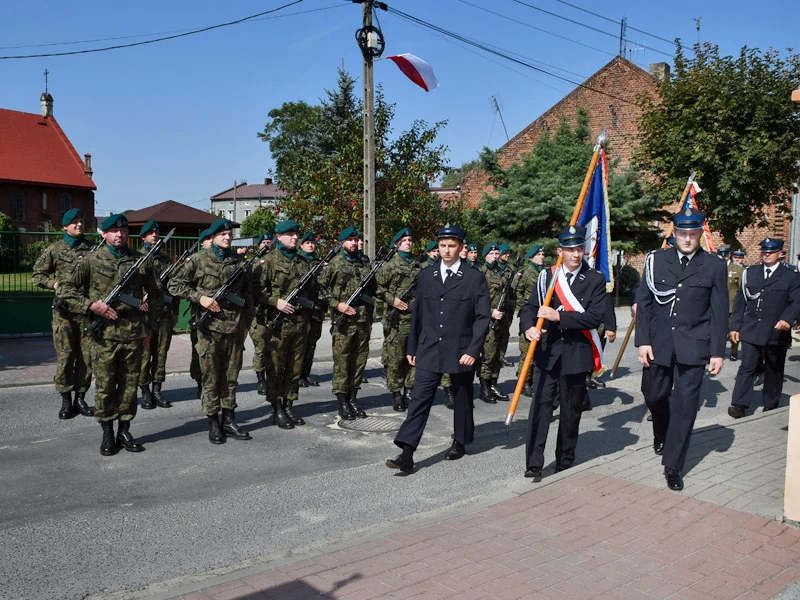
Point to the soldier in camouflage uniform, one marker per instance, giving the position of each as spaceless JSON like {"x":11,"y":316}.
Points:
{"x":735,"y":273}
{"x":154,"y":354}
{"x":472,"y":254}
{"x":258,"y":329}
{"x":351,"y":335}
{"x":432,"y":250}
{"x":527,"y":284}
{"x":73,"y":367}
{"x":117,"y":346}
{"x":194,"y":365}
{"x":287,"y":343}
{"x":497,"y":337}
{"x":220,"y":340}
{"x":308,"y":245}
{"x":393,"y":279}
{"x":505,"y":268}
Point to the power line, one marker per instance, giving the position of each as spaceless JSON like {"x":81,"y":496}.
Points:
{"x":556,"y":15}
{"x":610,"y":20}
{"x":162,"y":39}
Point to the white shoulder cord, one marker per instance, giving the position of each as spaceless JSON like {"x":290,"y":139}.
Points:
{"x":745,"y":291}
{"x":662,"y":297}
{"x":541,"y":284}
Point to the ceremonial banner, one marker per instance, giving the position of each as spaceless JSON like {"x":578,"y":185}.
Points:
{"x":595,"y":217}
{"x":691,"y":202}
{"x":417,"y":70}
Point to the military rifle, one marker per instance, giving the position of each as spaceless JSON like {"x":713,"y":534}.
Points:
{"x":167,"y":273}
{"x":117,"y":294}
{"x":495,"y":323}
{"x":97,"y":246}
{"x":360,"y":292}
{"x":293,"y":297}
{"x":224,"y":291}
{"x":393,"y":316}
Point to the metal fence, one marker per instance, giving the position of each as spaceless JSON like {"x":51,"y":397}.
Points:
{"x":20,"y":250}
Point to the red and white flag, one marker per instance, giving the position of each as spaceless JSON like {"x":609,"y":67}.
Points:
{"x":417,"y":70}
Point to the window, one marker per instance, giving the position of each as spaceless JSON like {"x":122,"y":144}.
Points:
{"x":44,"y":201}
{"x":66,"y":203}
{"x":247,"y":213}
{"x":17,"y":205}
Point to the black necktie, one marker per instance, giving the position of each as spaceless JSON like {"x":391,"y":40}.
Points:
{"x":447,"y":275}
{"x":569,"y":279}
{"x":684,"y":261}
{"x":769,"y":274}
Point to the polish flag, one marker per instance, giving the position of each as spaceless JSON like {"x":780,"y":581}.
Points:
{"x":417,"y":70}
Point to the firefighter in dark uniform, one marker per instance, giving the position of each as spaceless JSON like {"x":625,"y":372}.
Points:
{"x":767,"y":304}
{"x":682,"y":321}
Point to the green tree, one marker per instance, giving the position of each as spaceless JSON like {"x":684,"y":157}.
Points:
{"x":318,"y":152}
{"x":731,"y":119}
{"x":455,"y":177}
{"x":536,"y":197}
{"x":261,"y":220}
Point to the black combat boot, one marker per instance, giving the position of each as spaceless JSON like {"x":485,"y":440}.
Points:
{"x":496,"y":393}
{"x":199,"y":389}
{"x":279,"y":416}
{"x":262,"y":383}
{"x":345,"y":412}
{"x":126,"y":440}
{"x":231,"y":428}
{"x":215,"y":433}
{"x":108,"y":446}
{"x":310,"y":380}
{"x":302,"y":382}
{"x":66,"y":412}
{"x":485,"y":393}
{"x":354,"y":407}
{"x":147,"y":398}
{"x":397,"y":402}
{"x":527,"y":389}
{"x":159,"y":397}
{"x":449,"y":399}
{"x":288,"y":407}
{"x":406,"y":398}
{"x":80,"y":406}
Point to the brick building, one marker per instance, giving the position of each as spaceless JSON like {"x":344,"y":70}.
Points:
{"x":41,"y":174}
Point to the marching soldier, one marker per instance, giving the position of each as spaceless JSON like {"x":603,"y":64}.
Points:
{"x":258,"y":331}
{"x":154,"y":354}
{"x":472,"y":254}
{"x":568,"y":348}
{"x":73,"y":367}
{"x":220,"y":340}
{"x":308,"y":245}
{"x":117,"y":347}
{"x":282,"y":270}
{"x":194,"y":366}
{"x":432,"y":250}
{"x":350,"y":336}
{"x":766,"y":306}
{"x":393,"y":279}
{"x":496,"y":338}
{"x":527,"y":285}
{"x":735,"y":272}
{"x":682,"y":314}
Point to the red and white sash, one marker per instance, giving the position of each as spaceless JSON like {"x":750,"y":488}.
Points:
{"x":570,"y":302}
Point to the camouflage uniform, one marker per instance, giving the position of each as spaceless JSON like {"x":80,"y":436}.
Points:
{"x":73,"y":367}
{"x":350,"y":338}
{"x":497,"y":338}
{"x":117,"y":354}
{"x":258,"y":329}
{"x":735,"y":273}
{"x":393,"y":279}
{"x":154,"y":356}
{"x":220,"y":341}
{"x":527,"y":284}
{"x":315,"y":321}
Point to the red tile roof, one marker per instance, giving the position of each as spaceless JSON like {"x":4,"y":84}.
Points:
{"x":35,"y":149}
{"x":173,"y":213}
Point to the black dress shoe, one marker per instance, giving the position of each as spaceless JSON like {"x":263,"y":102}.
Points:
{"x":734,"y":358}
{"x":658,"y":446}
{"x":737,"y":412}
{"x":456,"y":451}
{"x":591,"y":383}
{"x":674,"y":479}
{"x":302,"y":383}
{"x":402,"y":462}
{"x":560,"y":468}
{"x":599,"y":384}
{"x":534,"y":473}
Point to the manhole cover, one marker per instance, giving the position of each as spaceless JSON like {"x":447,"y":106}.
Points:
{"x":372,"y":424}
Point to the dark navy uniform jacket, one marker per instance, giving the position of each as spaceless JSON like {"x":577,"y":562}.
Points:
{"x":449,"y":319}
{"x":779,"y":301}
{"x":695,"y":327}
{"x":564,"y":340}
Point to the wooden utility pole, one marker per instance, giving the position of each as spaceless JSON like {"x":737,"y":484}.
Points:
{"x":369,"y":143}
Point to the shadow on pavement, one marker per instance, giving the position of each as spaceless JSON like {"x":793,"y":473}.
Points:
{"x":716,"y":439}
{"x":711,"y":389}
{"x":613,"y":436}
{"x":300,"y":589}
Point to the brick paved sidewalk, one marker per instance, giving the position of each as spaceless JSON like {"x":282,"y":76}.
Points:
{"x":583,"y":533}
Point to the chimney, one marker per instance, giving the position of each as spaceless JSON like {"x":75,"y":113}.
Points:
{"x":267,"y":180}
{"x":87,"y":166}
{"x":47,"y":104}
{"x":659,"y":70}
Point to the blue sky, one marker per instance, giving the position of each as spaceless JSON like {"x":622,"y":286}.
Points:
{"x":178,"y":119}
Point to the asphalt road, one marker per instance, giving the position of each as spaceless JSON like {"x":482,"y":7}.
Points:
{"x":75,"y":524}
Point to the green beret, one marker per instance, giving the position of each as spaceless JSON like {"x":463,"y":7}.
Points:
{"x":360,"y":234}
{"x":287,"y":226}
{"x":308,"y":237}
{"x":534,"y":250}
{"x":405,"y":231}
{"x":504,"y":248}
{"x":432,"y":246}
{"x":218,"y":226}
{"x":71,"y":215}
{"x":472,"y":247}
{"x":148,"y":227}
{"x":267,"y":235}
{"x":348,"y":232}
{"x":114,"y":221}
{"x":489,"y":247}
{"x":203,"y":235}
